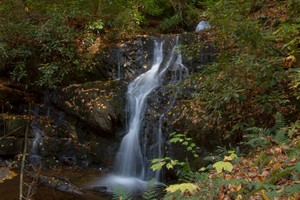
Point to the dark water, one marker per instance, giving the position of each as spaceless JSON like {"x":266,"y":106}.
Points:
{"x":9,"y":189}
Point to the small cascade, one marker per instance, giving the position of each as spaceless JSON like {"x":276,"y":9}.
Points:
{"x":36,"y":145}
{"x":180,"y":68}
{"x":132,"y":165}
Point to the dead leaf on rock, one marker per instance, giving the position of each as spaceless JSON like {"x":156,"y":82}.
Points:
{"x":6,"y":174}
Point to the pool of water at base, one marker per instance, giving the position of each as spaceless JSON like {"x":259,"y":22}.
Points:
{"x":9,"y":189}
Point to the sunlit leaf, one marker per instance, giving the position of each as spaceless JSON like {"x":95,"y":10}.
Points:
{"x":202,"y":169}
{"x":174,"y":140}
{"x":158,"y":166}
{"x":227,"y":158}
{"x":6,"y":174}
{"x":221,"y":165}
{"x":169,"y":166}
{"x":190,"y":187}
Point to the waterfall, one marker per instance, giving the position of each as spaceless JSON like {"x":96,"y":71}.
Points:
{"x":132,"y":165}
{"x":129,"y":159}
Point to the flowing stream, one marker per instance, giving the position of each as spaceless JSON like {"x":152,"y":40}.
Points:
{"x":131,"y":164}
{"x":129,"y":161}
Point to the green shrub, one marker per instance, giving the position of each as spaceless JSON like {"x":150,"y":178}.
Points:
{"x":230,"y":95}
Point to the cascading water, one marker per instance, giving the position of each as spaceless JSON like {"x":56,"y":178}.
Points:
{"x":37,"y":143}
{"x":129,"y":161}
{"x":131,"y":165}
{"x":176,"y":71}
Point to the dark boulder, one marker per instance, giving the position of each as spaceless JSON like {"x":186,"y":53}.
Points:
{"x":98,"y":105}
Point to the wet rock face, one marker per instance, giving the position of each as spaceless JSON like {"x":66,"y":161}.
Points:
{"x":12,"y":132}
{"x":124,"y":61}
{"x":134,"y":56}
{"x":98,"y":105}
{"x":64,"y":142}
{"x":11,"y":146}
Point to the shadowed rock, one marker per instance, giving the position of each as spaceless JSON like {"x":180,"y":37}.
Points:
{"x":99,"y":105}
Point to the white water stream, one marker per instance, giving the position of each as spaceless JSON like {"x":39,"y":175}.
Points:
{"x":130,"y":166}
{"x":129,"y":161}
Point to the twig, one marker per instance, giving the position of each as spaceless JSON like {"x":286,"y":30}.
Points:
{"x":23,"y":162}
{"x":17,"y":129}
{"x":31,"y":187}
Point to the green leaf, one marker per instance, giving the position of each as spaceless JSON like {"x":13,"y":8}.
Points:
{"x":97,"y":25}
{"x":158,"y":165}
{"x":221,"y":165}
{"x":233,"y":155}
{"x":172,"y":134}
{"x":179,"y":135}
{"x":174,"y":140}
{"x":153,"y":161}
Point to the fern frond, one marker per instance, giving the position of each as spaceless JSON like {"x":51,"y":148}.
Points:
{"x":281,"y":137}
{"x":154,"y":190}
{"x":120,"y":193}
{"x":201,"y":176}
{"x":255,"y":130}
{"x":291,"y":190}
{"x":279,"y":121}
{"x":260,"y":131}
{"x":255,"y":140}
{"x":187,"y":176}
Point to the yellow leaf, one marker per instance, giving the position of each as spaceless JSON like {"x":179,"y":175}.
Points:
{"x":202,"y":169}
{"x":190,"y":187}
{"x":221,"y":165}
{"x":227,"y":158}
{"x":6,"y":174}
